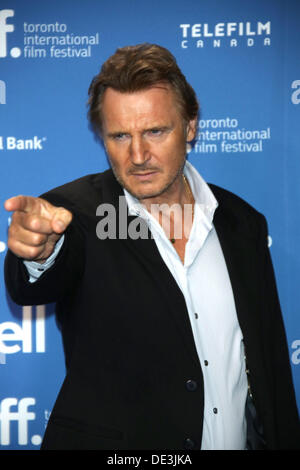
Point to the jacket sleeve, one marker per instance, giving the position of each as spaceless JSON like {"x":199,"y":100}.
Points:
{"x":284,"y":401}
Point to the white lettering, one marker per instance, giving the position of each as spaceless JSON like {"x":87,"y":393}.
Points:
{"x":296,"y":353}
{"x":215,"y":123}
{"x":128,"y":461}
{"x":219,"y":30}
{"x":206,"y":32}
{"x":170,"y":459}
{"x":2,"y":92}
{"x":196,"y":30}
{"x":40,"y":333}
{"x":22,"y":416}
{"x":13,"y":332}
{"x":45,"y":28}
{"x":266,"y":28}
{"x":248,"y":29}
{"x":296,"y":94}
{"x":12,"y":143}
{"x":226,"y":29}
{"x":4,"y":29}
{"x":230,"y":28}
{"x":184,"y":28}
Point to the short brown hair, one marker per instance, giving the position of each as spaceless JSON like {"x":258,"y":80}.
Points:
{"x":136,"y":68}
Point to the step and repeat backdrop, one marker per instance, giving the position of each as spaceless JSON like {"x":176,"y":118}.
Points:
{"x":242,"y":58}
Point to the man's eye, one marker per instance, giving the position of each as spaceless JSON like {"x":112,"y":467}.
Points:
{"x":119,"y":137}
{"x":155,"y":132}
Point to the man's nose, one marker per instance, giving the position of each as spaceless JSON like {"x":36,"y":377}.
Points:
{"x":139,"y":151}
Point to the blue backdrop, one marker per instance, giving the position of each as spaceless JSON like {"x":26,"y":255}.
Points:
{"x":242,"y":58}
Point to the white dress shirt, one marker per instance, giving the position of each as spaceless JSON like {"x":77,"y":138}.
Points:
{"x":204,"y":282}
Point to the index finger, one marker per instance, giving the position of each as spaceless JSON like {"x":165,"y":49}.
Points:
{"x":21,"y":203}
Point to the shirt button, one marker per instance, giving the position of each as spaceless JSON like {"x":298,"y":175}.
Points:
{"x":191,"y":385}
{"x":215,"y":410}
{"x":206,"y":363}
{"x":189,"y":443}
{"x":196,"y":316}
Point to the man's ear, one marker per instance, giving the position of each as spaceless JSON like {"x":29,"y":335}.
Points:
{"x":191,"y":130}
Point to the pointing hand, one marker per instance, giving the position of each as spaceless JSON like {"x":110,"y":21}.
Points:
{"x":36,"y":227}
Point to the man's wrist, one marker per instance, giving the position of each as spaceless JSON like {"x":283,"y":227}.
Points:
{"x":37,"y":268}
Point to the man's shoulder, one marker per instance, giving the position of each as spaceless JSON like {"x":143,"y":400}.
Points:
{"x":236,"y":211}
{"x":83,"y":193}
{"x":229,"y":200}
{"x":91,"y":182}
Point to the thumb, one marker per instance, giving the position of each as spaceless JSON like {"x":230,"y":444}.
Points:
{"x":61,"y":220}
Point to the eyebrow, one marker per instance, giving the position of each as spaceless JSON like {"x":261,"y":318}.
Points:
{"x":147,"y":129}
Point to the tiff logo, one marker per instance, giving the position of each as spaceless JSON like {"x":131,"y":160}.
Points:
{"x":2,"y":92}
{"x":22,"y":415}
{"x":5,"y":28}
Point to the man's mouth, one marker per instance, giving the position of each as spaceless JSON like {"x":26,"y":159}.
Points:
{"x":144,"y":176}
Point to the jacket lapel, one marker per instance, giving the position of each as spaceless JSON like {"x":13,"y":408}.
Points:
{"x":239,"y":250}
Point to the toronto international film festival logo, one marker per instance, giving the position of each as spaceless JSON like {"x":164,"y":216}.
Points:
{"x":43,"y":40}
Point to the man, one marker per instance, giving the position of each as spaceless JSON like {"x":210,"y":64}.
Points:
{"x":173,"y":338}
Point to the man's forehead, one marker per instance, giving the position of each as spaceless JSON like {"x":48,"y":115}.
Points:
{"x":146,"y":107}
{"x":161,"y":88}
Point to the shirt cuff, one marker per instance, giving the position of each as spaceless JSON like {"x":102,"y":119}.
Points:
{"x":35,"y":270}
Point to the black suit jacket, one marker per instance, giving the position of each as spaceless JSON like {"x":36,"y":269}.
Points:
{"x":128,"y":342}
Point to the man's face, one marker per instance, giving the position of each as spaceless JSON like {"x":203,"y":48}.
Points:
{"x":145,"y":138}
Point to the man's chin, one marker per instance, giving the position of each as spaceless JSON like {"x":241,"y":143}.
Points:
{"x":147,"y":191}
{"x":142,"y":194}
